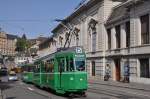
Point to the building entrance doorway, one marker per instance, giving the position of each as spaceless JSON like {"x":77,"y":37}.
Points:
{"x":118,"y":69}
{"x":93,"y":68}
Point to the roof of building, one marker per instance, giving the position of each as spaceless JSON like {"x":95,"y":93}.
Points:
{"x":84,"y":7}
{"x":80,"y":10}
{"x":121,"y":11}
{"x":46,"y":41}
{"x":10,"y":36}
{"x":118,"y":13}
{"x":41,"y":39}
{"x":32,"y":41}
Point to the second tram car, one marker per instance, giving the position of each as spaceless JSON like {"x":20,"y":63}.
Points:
{"x":28,"y":73}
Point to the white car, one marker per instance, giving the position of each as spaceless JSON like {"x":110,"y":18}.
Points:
{"x":12,"y":77}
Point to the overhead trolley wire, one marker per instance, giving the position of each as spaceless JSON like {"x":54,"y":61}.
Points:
{"x":26,"y":20}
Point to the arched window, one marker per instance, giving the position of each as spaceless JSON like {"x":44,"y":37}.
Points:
{"x":93,"y":33}
{"x":61,"y":40}
{"x":76,"y":33}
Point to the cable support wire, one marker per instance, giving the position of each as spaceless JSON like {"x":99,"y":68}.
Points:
{"x":26,"y":20}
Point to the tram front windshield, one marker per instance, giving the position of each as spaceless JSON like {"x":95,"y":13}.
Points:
{"x":80,"y":64}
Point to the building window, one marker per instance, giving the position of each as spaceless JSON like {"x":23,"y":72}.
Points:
{"x":93,"y":41}
{"x":144,"y":68}
{"x":92,"y":31}
{"x":117,"y":28}
{"x":76,"y":33}
{"x":145,"y":29}
{"x":127,"y":34}
{"x":66,"y":35}
{"x":61,"y":40}
{"x":109,"y":38}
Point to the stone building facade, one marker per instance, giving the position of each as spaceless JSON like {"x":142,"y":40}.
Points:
{"x":7,"y":44}
{"x":35,"y":45}
{"x":47,"y":47}
{"x":113,"y":33}
{"x":128,"y":41}
{"x":90,"y":21}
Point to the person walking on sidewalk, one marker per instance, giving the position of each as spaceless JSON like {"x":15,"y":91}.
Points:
{"x":126,"y":73}
{"x":107,"y":72}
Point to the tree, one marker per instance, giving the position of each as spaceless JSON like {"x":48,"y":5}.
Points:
{"x":21,"y":45}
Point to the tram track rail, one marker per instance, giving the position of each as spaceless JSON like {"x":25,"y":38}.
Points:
{"x":121,"y":86}
{"x":117,"y":93}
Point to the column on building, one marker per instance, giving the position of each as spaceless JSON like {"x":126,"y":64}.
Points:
{"x":123,"y":36}
{"x":113,"y":40}
{"x":123,"y":45}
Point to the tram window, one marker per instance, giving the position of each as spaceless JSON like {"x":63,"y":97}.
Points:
{"x":80,"y":64}
{"x":62,"y":65}
{"x":37,"y":68}
{"x":67,"y":64}
{"x":49,"y":65}
{"x":46,"y":67}
{"x":24,"y":69}
{"x":28,"y":69}
{"x":32,"y":68}
{"x":71,"y":65}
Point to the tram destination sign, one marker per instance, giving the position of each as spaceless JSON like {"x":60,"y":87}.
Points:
{"x":79,"y":56}
{"x":79,"y":50}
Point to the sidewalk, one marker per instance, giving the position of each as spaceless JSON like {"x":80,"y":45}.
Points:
{"x":131,"y":85}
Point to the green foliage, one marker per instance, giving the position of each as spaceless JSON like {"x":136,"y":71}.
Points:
{"x":22,"y":45}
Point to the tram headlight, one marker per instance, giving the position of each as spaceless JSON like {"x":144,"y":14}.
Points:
{"x":81,"y":79}
{"x":71,"y":78}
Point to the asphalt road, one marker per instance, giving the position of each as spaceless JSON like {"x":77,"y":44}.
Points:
{"x":20,"y":90}
{"x":113,"y":92}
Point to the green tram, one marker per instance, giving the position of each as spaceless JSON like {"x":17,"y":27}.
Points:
{"x":63,"y":71}
{"x":27,"y":72}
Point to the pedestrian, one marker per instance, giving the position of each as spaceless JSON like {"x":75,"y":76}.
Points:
{"x":107,"y":72}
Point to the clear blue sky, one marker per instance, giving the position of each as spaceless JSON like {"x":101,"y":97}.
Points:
{"x":33,"y":17}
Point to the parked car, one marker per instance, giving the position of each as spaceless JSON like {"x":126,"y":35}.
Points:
{"x":12,"y":76}
{"x":3,"y":71}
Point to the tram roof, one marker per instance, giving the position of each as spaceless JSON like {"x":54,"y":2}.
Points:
{"x":70,"y":49}
{"x":28,"y":64}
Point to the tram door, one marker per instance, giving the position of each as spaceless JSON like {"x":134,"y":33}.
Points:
{"x":61,"y":69}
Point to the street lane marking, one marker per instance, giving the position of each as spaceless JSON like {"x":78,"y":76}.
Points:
{"x":31,"y":89}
